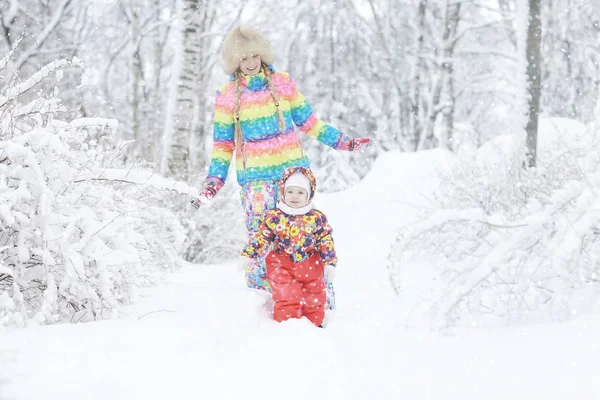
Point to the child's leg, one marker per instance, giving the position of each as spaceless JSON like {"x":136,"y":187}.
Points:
{"x":257,"y":197}
{"x":310,"y":273}
{"x":314,"y":301}
{"x":287,"y":291}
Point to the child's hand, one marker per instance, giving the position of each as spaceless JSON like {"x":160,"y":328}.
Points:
{"x":243,"y":261}
{"x":329,"y":273}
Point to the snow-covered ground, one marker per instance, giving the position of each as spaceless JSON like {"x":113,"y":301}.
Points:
{"x":204,"y":335}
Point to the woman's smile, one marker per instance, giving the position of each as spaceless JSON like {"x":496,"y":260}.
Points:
{"x":250,"y":65}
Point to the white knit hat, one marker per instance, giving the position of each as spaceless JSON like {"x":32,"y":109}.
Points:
{"x":245,"y":42}
{"x":298,"y":179}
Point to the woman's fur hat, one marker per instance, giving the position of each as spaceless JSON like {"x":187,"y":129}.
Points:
{"x":244,"y":42}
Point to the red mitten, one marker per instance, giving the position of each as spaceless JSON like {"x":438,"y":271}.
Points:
{"x":356,"y":144}
{"x":207,"y":194}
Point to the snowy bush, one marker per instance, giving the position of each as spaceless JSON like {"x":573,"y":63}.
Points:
{"x":510,"y":243}
{"x":74,"y":243}
{"x":216,"y":231}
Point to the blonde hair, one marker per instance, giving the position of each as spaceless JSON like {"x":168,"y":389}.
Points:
{"x":238,"y":103}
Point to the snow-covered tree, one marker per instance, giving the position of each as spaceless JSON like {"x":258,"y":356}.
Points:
{"x":75,"y":242}
{"x":510,"y":244}
{"x":571,"y":59}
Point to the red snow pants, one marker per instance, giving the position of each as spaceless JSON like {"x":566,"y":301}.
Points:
{"x":298,"y":288}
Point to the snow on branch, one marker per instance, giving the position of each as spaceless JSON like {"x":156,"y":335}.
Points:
{"x":110,"y":123}
{"x":136,"y":177}
{"x":8,"y":56}
{"x":76,"y":252}
{"x":510,"y":244}
{"x":59,"y":11}
{"x":36,"y":78}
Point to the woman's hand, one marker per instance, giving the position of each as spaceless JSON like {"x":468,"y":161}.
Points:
{"x":204,"y":196}
{"x":356,"y":144}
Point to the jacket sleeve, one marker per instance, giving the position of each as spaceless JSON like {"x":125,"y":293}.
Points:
{"x":307,"y":122}
{"x":223,"y":142}
{"x":325,"y":245}
{"x":261,"y":238}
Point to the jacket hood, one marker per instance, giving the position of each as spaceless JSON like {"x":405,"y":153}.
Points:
{"x":288,"y":172}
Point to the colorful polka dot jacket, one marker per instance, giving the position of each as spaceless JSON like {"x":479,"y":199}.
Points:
{"x":269,"y":150}
{"x":298,"y":236}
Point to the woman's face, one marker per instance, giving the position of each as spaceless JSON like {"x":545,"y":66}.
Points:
{"x":250,"y":65}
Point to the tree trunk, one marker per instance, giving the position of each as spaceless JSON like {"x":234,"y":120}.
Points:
{"x":534,"y":35}
{"x":417,"y":108}
{"x":442,"y":96}
{"x":136,"y":70}
{"x":201,"y":129}
{"x":187,"y":88}
{"x":394,"y":80}
{"x":156,"y":103}
{"x":448,"y":99}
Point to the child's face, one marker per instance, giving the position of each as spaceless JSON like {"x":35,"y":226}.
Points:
{"x":296,"y":197}
{"x":250,"y":65}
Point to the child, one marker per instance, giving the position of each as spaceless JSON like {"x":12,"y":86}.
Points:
{"x":301,"y":248}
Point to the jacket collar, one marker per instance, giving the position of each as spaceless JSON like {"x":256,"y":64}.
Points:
{"x":294,"y":211}
{"x":254,"y":83}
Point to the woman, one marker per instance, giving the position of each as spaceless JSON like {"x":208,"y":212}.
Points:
{"x":256,"y":115}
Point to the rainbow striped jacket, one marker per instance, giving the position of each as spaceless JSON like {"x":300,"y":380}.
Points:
{"x":269,"y":151}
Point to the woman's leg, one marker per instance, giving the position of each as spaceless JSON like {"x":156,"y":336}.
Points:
{"x":330,"y":295}
{"x":257,"y":197}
